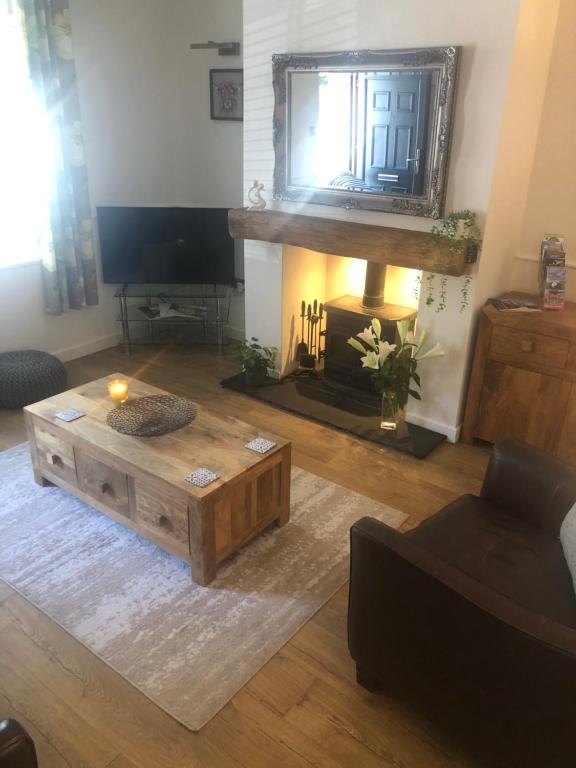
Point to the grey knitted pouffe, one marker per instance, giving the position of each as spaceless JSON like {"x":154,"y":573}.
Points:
{"x":27,"y":376}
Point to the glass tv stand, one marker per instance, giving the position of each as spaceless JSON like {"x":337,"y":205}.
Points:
{"x":161,"y":313}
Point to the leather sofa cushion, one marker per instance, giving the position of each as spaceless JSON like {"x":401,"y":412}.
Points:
{"x":499,"y":550}
{"x":568,"y":542}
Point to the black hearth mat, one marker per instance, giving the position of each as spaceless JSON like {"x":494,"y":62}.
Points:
{"x":356,"y":413}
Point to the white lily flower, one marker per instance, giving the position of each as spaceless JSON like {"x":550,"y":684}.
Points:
{"x":384,"y":349}
{"x":402,"y":326}
{"x":377,"y":327}
{"x":357,"y":346}
{"x":368,"y":337}
{"x":423,"y":338}
{"x":370,"y":361}
{"x":435,"y":351}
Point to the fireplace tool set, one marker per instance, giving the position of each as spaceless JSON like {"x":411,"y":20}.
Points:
{"x":309,"y":350}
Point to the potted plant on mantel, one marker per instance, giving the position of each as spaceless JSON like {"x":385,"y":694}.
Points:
{"x":257,"y":361}
{"x":449,"y":235}
{"x":394,"y":369}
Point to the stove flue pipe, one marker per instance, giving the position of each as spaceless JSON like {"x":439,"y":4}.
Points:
{"x":374,"y":285}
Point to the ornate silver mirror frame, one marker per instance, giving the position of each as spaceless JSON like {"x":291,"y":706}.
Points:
{"x":438,"y":66}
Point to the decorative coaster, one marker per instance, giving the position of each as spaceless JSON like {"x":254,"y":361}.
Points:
{"x":260,"y":445}
{"x":71,"y":414}
{"x":202,"y":477}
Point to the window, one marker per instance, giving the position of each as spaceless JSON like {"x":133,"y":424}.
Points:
{"x":26,"y":154}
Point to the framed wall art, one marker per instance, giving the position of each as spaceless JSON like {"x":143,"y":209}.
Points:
{"x":226,"y":94}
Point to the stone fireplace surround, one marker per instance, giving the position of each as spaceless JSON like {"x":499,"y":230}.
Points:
{"x":292,"y":252}
{"x":357,"y":270}
{"x":291,"y":244}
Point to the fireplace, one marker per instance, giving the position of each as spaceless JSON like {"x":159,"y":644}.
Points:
{"x":330,"y":385}
{"x":355,"y":272}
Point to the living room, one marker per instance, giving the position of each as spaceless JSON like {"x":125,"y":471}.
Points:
{"x":307,"y":567}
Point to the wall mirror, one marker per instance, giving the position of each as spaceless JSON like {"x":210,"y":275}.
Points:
{"x":365,"y":129}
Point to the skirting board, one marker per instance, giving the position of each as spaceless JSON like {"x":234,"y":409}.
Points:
{"x":235,"y":333}
{"x":87,"y":347}
{"x":452,"y":433}
{"x":112,"y":340}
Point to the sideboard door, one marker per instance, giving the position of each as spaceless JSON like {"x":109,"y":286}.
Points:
{"x":524,"y":405}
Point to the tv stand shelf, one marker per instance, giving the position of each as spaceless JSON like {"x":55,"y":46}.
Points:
{"x":206,"y":307}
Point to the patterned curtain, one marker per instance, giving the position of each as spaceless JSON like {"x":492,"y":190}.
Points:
{"x":69,"y":268}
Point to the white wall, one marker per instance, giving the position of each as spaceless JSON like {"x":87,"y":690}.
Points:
{"x":487,"y":33}
{"x":551,"y":198}
{"x":518,"y":152}
{"x":149,"y":140}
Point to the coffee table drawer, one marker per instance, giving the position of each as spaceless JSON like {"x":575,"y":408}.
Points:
{"x":162,"y":512}
{"x":105,"y":484}
{"x":55,"y":455}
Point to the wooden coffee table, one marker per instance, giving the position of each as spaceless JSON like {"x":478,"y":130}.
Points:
{"x":139,"y":481}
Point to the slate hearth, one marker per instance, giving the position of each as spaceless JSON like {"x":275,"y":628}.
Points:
{"x":342,"y":407}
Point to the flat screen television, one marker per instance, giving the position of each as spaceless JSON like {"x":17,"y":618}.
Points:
{"x":165,"y":245}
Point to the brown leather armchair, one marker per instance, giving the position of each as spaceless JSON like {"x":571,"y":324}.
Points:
{"x":472,"y":615}
{"x":16,"y":747}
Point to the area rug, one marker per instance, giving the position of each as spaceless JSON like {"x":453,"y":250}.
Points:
{"x":187,"y":648}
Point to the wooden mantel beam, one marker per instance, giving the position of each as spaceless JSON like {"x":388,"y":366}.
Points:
{"x":387,"y":245}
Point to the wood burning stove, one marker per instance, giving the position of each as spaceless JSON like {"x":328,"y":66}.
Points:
{"x":346,"y":317}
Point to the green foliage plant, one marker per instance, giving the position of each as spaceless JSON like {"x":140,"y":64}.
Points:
{"x":455,"y":227}
{"x":257,"y":359}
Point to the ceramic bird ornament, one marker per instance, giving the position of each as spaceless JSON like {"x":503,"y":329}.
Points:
{"x":255,"y":197}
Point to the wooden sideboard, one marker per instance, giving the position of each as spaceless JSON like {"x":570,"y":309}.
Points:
{"x":523,"y":382}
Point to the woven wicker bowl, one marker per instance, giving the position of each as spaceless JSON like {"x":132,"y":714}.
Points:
{"x":152,"y":415}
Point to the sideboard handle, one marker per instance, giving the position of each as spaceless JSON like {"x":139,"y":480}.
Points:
{"x":56,"y":460}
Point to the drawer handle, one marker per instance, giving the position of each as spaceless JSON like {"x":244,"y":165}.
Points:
{"x":165,"y":523}
{"x":527,"y":345}
{"x":56,"y":460}
{"x":107,"y":489}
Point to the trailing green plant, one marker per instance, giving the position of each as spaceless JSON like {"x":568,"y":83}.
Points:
{"x":417,"y":290}
{"x":465,"y":292}
{"x":455,"y":227}
{"x":430,"y":288}
{"x":257,"y":359}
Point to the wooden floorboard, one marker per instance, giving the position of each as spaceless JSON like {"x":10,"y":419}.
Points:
{"x":304,"y":707}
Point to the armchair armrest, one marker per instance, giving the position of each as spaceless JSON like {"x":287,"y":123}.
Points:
{"x":530,"y":484}
{"x":16,"y":747}
{"x":388,"y":568}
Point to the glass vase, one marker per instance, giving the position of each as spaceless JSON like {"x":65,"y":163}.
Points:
{"x":392,"y":417}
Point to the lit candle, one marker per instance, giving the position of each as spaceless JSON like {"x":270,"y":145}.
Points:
{"x":118,"y":390}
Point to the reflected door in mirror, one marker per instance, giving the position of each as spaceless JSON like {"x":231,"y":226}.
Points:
{"x":391,"y":146}
{"x":360,"y":131}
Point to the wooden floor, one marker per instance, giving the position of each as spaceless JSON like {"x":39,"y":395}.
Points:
{"x":303,"y":708}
